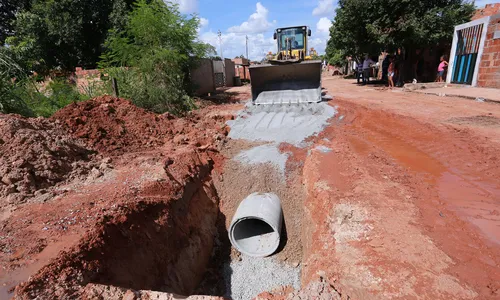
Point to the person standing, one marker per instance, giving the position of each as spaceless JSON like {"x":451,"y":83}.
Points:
{"x":390,"y":75}
{"x":359,"y":71}
{"x":441,"y":69}
{"x":367,"y":68}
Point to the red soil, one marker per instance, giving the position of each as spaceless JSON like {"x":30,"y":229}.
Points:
{"x":36,"y":154}
{"x":114,"y":125}
{"x":152,"y":204}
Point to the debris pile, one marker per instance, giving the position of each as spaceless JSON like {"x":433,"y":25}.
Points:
{"x":35,"y":154}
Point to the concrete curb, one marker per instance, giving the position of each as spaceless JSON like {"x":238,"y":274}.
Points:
{"x":452,"y":95}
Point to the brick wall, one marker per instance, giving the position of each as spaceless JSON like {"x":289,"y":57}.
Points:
{"x":488,"y":10}
{"x":489,"y":68}
{"x":241,"y":61}
{"x":88,"y":81}
{"x":243,"y":72}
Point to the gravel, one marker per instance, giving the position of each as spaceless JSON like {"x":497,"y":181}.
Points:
{"x":281,"y":123}
{"x":251,"y":276}
{"x":264,"y":154}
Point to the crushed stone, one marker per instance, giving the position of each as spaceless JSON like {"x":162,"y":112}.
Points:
{"x":264,"y":154}
{"x":251,"y":276}
{"x":281,"y":123}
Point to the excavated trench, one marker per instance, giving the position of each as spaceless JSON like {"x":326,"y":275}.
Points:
{"x":172,"y":236}
{"x":175,"y":241}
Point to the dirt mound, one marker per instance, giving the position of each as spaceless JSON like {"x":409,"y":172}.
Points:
{"x":35,"y":154}
{"x":114,"y":125}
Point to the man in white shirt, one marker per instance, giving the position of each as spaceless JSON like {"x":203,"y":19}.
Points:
{"x":367,"y":68}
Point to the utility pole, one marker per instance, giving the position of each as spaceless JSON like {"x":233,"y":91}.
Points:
{"x":246,"y":37}
{"x":219,"y":33}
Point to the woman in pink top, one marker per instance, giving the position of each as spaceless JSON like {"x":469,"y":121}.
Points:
{"x":441,"y":69}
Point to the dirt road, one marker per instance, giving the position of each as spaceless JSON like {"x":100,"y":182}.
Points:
{"x":407,"y":203}
{"x":385,"y":194}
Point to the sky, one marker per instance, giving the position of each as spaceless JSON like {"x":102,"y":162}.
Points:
{"x":258,"y":19}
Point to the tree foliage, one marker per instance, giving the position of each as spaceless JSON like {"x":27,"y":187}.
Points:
{"x":369,"y":26}
{"x":12,"y":77}
{"x":64,"y":34}
{"x":8,"y":11}
{"x":152,"y":56}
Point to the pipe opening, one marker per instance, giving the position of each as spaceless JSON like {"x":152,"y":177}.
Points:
{"x":255,"y":237}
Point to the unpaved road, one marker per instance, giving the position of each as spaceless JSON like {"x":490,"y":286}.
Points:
{"x":396,"y":197}
{"x":407,"y":205}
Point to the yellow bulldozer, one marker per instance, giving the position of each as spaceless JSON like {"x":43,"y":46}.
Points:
{"x":291,"y":76}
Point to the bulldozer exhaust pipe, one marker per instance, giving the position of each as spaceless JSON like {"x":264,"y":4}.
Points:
{"x":286,"y":83}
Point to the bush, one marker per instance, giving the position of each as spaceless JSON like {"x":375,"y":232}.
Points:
{"x":57,"y":95}
{"x":155,"y":91}
{"x":19,"y":93}
{"x":152,"y":56}
{"x":12,"y":80}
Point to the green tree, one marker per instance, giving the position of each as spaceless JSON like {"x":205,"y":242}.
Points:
{"x":64,"y":34}
{"x":151,"y":58}
{"x":369,"y":26}
{"x":8,"y":11}
{"x":336,"y":57}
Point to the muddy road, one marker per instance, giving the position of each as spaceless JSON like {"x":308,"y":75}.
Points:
{"x":410,"y":195}
{"x":385,"y":195}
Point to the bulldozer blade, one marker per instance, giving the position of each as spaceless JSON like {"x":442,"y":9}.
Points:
{"x":287,"y":83}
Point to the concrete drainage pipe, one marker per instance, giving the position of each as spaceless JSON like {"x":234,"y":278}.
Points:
{"x":256,"y":226}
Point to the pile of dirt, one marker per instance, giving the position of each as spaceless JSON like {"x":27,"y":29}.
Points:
{"x":114,"y":125}
{"x":35,"y":154}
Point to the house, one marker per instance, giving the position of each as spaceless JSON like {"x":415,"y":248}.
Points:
{"x":475,"y":52}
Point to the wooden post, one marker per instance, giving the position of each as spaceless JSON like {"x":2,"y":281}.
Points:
{"x":114,"y":84}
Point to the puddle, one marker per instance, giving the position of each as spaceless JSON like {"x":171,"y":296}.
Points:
{"x":8,"y":282}
{"x":474,"y":199}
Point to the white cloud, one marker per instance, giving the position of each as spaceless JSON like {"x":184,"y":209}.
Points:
{"x":203,"y":22}
{"x":233,"y":44}
{"x":319,"y":44}
{"x":256,"y":23}
{"x":321,"y":35}
{"x":186,"y":6}
{"x":323,"y":25}
{"x":324,"y":8}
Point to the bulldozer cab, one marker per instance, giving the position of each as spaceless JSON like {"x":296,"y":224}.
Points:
{"x":296,"y":34}
{"x":292,"y":42}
